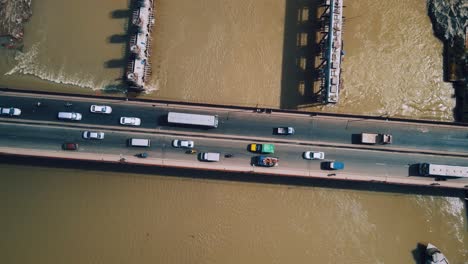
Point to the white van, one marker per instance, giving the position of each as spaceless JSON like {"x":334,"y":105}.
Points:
{"x":209,"y":156}
{"x":69,"y":116}
{"x":138,"y":142}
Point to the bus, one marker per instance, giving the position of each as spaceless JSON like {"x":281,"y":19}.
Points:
{"x":427,"y":169}
{"x":192,"y":119}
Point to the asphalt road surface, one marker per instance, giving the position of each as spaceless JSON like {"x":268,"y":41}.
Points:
{"x":246,"y":123}
{"x":358,"y":162}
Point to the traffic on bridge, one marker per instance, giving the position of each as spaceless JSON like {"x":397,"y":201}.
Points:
{"x":308,"y":146}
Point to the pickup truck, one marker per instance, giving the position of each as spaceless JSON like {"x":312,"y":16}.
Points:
{"x":262,"y":148}
{"x":284,"y":130}
{"x":373,"y":138}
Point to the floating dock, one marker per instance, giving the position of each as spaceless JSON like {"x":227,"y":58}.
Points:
{"x":139,"y":67}
{"x":331,"y":47}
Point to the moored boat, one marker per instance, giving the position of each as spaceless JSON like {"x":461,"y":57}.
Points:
{"x":434,"y":256}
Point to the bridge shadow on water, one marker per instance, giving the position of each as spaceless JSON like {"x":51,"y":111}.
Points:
{"x":298,"y":77}
{"x":290,"y":182}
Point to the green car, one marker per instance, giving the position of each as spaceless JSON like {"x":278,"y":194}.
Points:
{"x":262,"y":148}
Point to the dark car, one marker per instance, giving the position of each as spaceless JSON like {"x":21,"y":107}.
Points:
{"x":70,"y":146}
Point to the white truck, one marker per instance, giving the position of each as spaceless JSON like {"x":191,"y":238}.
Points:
{"x":192,"y":119}
{"x":427,"y":169}
{"x":209,"y":156}
{"x":374,"y":138}
{"x":138,"y":142}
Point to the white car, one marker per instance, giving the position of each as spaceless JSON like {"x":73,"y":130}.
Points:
{"x":176,"y":143}
{"x":130,"y":121}
{"x":10,"y":111}
{"x":93,"y":135}
{"x":101,"y":109}
{"x":69,"y":116}
{"x":310,"y":155}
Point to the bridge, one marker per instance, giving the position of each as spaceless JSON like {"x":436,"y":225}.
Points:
{"x":331,"y":49}
{"x":37,"y":133}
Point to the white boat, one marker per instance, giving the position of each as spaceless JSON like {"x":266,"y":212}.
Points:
{"x":434,"y":256}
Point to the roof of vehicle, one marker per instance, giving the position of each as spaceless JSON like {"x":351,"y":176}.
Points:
{"x":268,"y":148}
{"x":338,"y":164}
{"x":70,"y":146}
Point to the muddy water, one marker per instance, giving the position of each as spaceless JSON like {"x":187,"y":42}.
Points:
{"x":69,"y":46}
{"x":227,"y":52}
{"x":222,"y":52}
{"x":76,"y":216}
{"x":393,"y":63}
{"x":232,"y":52}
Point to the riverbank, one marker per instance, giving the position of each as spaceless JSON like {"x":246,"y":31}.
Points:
{"x":13,"y":15}
{"x":449,"y":21}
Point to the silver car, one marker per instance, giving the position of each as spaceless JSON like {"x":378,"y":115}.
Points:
{"x":176,"y":143}
{"x":93,"y":135}
{"x":101,"y":109}
{"x":130,"y":121}
{"x":311,"y":155}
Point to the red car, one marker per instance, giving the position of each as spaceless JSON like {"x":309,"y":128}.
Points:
{"x":70,"y":146}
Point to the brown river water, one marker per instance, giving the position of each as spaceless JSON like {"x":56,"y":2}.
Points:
{"x":238,"y":53}
{"x":224,"y":52}
{"x":90,"y":216}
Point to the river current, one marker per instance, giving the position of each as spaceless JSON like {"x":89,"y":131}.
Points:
{"x":224,"y":52}
{"x":90,"y":216}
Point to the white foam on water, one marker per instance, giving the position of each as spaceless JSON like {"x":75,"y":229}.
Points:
{"x":451,"y":209}
{"x":27,"y":64}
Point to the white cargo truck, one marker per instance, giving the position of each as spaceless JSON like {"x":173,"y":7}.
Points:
{"x":139,"y":142}
{"x":209,"y":156}
{"x":192,"y":119}
{"x":427,"y":169}
{"x":374,"y":138}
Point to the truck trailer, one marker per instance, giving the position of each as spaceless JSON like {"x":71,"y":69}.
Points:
{"x":373,"y":138}
{"x":192,"y":119}
{"x":427,"y":169}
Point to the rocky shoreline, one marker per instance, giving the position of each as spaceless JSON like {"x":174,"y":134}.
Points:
{"x":13,"y":15}
{"x":449,"y":21}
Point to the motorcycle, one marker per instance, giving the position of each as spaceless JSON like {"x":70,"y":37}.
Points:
{"x":142,"y":155}
{"x":191,"y":151}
